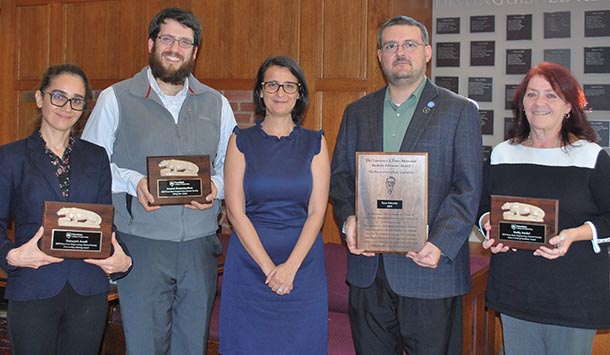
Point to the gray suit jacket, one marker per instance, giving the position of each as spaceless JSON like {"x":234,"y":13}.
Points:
{"x":446,"y":126}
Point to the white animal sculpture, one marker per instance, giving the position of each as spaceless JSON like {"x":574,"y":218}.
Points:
{"x":519,"y":211}
{"x":78,"y":217}
{"x":175,"y":167}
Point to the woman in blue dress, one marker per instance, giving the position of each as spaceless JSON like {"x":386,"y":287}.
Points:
{"x":274,"y":296}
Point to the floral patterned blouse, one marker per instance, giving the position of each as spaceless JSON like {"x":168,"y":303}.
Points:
{"x":61,"y":165}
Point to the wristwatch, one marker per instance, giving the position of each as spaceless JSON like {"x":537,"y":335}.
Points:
{"x":344,"y":227}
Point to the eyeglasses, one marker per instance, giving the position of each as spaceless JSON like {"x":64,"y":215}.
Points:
{"x":182,"y":42}
{"x":408,"y":46}
{"x":59,"y":100}
{"x":271,"y":87}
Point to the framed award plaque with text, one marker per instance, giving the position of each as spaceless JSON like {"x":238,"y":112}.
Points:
{"x":179,"y":179}
{"x":77,"y":230}
{"x":391,"y":201}
{"x":523,"y":222}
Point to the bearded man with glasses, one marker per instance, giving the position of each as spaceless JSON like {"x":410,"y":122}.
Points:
{"x":163,"y":110}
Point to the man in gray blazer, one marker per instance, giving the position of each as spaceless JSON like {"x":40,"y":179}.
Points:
{"x":411,"y":302}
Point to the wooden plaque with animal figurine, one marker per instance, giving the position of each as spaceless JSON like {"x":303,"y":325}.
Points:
{"x":77,"y":230}
{"x":179,"y":179}
{"x":523,"y":222}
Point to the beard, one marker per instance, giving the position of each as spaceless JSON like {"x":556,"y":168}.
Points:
{"x":403,"y":77}
{"x":170,"y":75}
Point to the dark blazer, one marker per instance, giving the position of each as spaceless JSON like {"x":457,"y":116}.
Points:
{"x":27,"y":179}
{"x":446,"y":126}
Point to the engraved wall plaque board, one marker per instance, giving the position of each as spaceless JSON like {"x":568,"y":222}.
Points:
{"x":77,"y":230}
{"x":179,"y":179}
{"x":391,"y":201}
{"x":523,"y":222}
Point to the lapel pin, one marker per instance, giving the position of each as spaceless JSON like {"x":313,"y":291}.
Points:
{"x":429,"y":105}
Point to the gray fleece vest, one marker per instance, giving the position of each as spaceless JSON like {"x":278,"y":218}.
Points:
{"x":147,"y":128}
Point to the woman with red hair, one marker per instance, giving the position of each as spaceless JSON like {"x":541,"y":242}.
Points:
{"x":553,"y":299}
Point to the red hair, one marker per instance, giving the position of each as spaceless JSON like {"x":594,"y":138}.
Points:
{"x":570,"y":91}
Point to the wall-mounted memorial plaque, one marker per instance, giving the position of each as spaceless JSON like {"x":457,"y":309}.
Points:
{"x":598,"y":96}
{"x":559,"y":56}
{"x":77,"y":230}
{"x":487,"y":121}
{"x":557,"y":24}
{"x":518,"y":61}
{"x":518,"y":27}
{"x":523,"y":222}
{"x":597,"y":23}
{"x":480,"y":89}
{"x":486,"y":153}
{"x":448,"y":25}
{"x":509,"y":94}
{"x":602,"y":128}
{"x":508,"y":124}
{"x":179,"y":179}
{"x":482,"y":53}
{"x":448,"y":54}
{"x":481,"y":24}
{"x":391,"y":201}
{"x":597,"y":60}
{"x":448,"y":82}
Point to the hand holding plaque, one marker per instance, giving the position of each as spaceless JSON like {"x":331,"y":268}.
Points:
{"x":178,"y":180}
{"x":522,"y":222}
{"x":391,"y":201}
{"x":77,"y":230}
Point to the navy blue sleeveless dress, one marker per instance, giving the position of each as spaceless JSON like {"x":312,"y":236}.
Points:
{"x":277,"y":187}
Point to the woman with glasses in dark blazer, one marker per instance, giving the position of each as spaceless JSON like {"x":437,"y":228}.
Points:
{"x":56,"y":306}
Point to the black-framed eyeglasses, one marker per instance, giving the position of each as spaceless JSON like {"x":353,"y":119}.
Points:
{"x":408,"y":46}
{"x":271,"y":87}
{"x":60,"y":100}
{"x":182,"y":42}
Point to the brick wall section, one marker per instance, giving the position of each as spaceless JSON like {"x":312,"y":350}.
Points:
{"x":243,"y":107}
